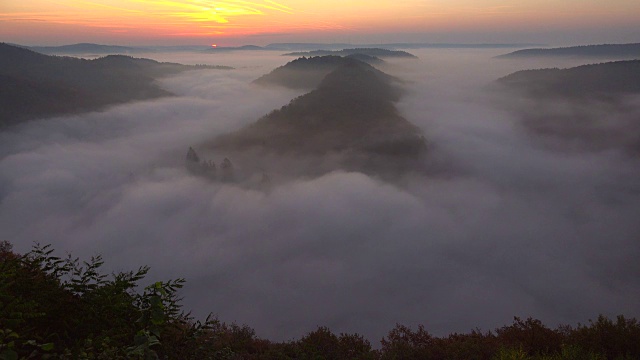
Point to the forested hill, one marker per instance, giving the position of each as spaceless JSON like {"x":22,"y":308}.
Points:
{"x":606,"y":80}
{"x":34,"y":85}
{"x":381,"y":53}
{"x":351,"y":110}
{"x":612,"y":51}
{"x":585,"y":108}
{"x":307,"y":72}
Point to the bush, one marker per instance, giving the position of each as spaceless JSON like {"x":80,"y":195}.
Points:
{"x":52,"y":307}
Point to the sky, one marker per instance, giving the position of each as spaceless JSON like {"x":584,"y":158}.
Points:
{"x":235,"y":22}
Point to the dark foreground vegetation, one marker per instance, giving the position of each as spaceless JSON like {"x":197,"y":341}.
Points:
{"x":62,"y":308}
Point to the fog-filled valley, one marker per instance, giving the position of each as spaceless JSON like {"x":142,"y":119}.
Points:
{"x":523,"y":205}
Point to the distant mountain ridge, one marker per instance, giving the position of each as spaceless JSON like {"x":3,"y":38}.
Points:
{"x":615,"y":51}
{"x":235,"y":48}
{"x":83,"y":48}
{"x":35,"y":85}
{"x":376,"y":52}
{"x":340,"y":46}
{"x":103,"y":49}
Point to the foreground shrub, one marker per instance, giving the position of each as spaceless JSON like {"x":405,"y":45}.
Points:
{"x":62,"y":308}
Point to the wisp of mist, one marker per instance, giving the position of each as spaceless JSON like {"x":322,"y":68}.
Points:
{"x":514,"y":229}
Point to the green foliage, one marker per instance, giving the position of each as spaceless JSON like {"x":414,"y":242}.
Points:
{"x":570,"y":352}
{"x":324,"y":344}
{"x":511,"y":354}
{"x":66,"y":308}
{"x":619,"y":339}
{"x":531,"y":336}
{"x":474,"y":345}
{"x":404,"y":343}
{"x":62,"y":308}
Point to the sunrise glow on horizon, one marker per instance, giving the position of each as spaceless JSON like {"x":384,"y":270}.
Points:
{"x":176,"y":21}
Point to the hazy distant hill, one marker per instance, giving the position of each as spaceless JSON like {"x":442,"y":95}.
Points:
{"x":604,"y":80}
{"x":351,"y":113}
{"x":339,"y":46}
{"x":233,"y":48}
{"x":371,"y":60}
{"x":307,"y":46}
{"x":87,"y":48}
{"x":35,"y":85}
{"x":595,"y":107}
{"x":306,"y":73}
{"x":613,"y":51}
{"x":380,"y":53}
{"x":99,"y":49}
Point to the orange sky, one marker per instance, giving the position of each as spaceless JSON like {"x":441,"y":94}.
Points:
{"x":238,"y":21}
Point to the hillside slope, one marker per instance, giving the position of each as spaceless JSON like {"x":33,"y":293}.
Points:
{"x":35,"y":85}
{"x":350,"y":117}
{"x":605,"y":80}
{"x":308,"y":72}
{"x":591,"y":107}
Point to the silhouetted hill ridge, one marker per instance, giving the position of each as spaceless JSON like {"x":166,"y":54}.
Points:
{"x":604,"y":80}
{"x":617,"y":51}
{"x":371,"y":60}
{"x":351,"y":110}
{"x":83,"y":48}
{"x":37,"y":86}
{"x":377,"y":52}
{"x":308,"y":72}
{"x":589,"y":107}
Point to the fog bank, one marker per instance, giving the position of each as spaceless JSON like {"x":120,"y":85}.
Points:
{"x":515,"y":228}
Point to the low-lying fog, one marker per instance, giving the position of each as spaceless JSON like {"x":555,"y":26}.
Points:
{"x":516,"y":229}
